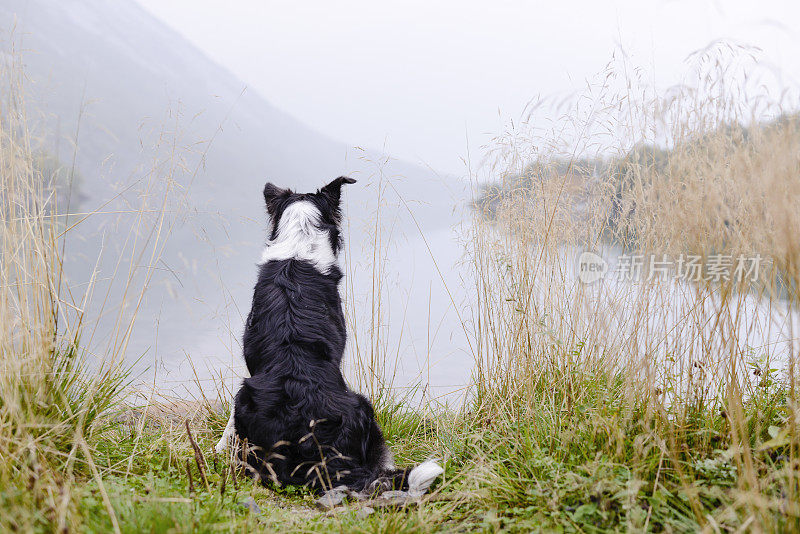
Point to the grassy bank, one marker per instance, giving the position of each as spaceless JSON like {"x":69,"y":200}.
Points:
{"x":572,"y":455}
{"x":593,"y":408}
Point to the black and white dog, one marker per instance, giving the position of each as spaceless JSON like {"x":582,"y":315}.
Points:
{"x":302,"y":424}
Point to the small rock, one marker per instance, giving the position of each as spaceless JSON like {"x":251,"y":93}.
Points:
{"x":251,"y":505}
{"x":364,"y":512}
{"x":393,"y":498}
{"x":394,"y":494}
{"x":333,"y":497}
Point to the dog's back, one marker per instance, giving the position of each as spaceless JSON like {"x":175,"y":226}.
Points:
{"x":296,"y":406}
{"x":296,"y":316}
{"x":300,"y":422}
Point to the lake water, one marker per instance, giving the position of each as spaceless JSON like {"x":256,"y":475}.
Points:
{"x":187,"y":334}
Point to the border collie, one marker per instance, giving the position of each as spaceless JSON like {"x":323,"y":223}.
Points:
{"x":301,"y":424}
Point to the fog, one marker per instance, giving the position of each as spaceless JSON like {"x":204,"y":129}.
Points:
{"x":146,"y":116}
{"x":433,"y":82}
{"x":402,"y":97}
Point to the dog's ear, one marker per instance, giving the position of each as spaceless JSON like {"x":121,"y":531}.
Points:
{"x":333,"y":191}
{"x":272,"y":192}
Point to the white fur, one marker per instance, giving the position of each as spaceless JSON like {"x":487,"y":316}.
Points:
{"x":422,"y":476}
{"x":227,"y":434}
{"x":388,"y":460}
{"x":300,"y":238}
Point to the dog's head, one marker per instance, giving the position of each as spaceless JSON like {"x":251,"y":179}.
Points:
{"x":295,"y":215}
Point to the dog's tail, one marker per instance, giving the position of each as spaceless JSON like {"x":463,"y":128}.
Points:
{"x":421,"y":477}
{"x":415,"y":481}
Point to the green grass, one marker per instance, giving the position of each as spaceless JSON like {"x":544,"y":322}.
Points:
{"x":143,"y":461}
{"x":512,"y":464}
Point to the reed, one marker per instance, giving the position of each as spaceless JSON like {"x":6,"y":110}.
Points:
{"x":663,"y":402}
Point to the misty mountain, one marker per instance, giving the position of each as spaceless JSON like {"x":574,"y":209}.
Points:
{"x":132,"y":101}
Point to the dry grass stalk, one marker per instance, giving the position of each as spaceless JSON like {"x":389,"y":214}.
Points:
{"x":189,"y":476}
{"x":198,"y":456}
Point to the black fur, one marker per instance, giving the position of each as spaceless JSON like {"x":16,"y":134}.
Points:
{"x":302,"y":424}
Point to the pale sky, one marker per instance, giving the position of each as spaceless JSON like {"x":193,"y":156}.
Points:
{"x":418,"y":78}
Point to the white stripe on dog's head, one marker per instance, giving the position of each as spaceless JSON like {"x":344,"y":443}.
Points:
{"x":300,"y":237}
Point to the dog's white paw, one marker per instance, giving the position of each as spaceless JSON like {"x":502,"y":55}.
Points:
{"x":227,"y":434}
{"x":388,"y":460}
{"x":222,"y":445}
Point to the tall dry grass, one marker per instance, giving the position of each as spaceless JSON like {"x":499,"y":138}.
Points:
{"x":657,"y":403}
{"x":47,"y":404}
{"x":56,"y":398}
